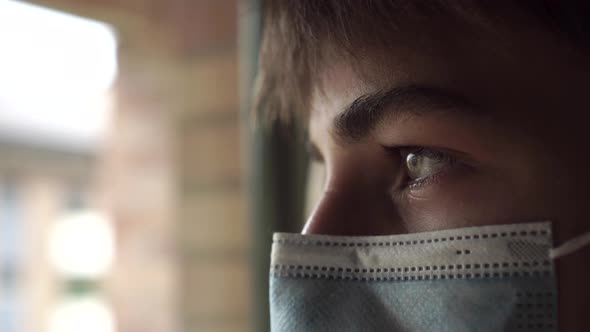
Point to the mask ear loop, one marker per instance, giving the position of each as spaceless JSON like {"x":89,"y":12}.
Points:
{"x":570,"y":246}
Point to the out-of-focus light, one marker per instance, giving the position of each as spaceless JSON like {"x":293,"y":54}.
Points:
{"x":55,"y":70}
{"x":88,"y":314}
{"x":82,"y":245}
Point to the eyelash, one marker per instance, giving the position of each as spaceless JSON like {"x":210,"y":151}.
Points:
{"x":421,"y":182}
{"x":425,"y":152}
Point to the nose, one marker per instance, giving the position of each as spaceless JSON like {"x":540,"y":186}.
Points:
{"x":354,"y":210}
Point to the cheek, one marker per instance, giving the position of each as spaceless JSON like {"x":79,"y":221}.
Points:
{"x":474,"y":201}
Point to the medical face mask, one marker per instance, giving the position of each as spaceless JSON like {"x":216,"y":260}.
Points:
{"x":490,"y":278}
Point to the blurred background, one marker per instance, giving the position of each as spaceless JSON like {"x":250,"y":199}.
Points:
{"x":136,"y":192}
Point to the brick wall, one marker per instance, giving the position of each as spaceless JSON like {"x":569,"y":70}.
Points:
{"x":215,"y":240}
{"x":171,"y":171}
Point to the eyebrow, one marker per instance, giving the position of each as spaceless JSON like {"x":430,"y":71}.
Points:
{"x":363,"y":114}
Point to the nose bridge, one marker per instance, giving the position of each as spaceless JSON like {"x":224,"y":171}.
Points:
{"x":353,"y":207}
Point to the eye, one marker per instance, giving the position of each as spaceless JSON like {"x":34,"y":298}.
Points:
{"x":422,"y":163}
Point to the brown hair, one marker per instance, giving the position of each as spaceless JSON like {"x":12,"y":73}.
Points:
{"x":298,"y":33}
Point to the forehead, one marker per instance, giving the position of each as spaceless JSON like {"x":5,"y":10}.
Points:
{"x":513,"y":72}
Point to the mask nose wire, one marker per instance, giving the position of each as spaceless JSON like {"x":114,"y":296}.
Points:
{"x":570,"y":246}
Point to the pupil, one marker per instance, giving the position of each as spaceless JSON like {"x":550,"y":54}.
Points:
{"x":412,"y":160}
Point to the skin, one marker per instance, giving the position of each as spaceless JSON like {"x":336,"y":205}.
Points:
{"x":518,"y":144}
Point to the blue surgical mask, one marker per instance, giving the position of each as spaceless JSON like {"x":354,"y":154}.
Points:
{"x":490,"y":278}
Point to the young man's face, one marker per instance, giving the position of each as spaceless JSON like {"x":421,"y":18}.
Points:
{"x":457,"y":129}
